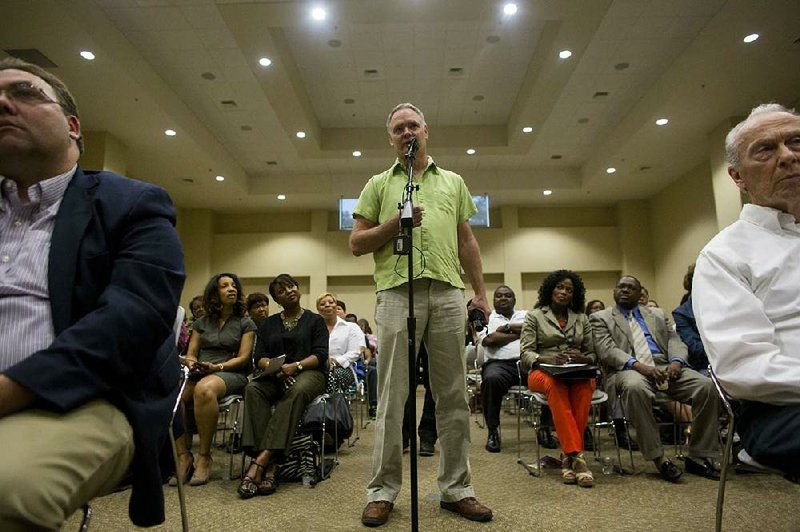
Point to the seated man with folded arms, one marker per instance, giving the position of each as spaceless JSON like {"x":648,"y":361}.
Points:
{"x":641,"y":355}
{"x":501,"y":353}
{"x":746,"y":288}
{"x":91,"y":271}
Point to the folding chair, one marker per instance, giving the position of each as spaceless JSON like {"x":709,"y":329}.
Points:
{"x":230,"y":406}
{"x":184,"y":376}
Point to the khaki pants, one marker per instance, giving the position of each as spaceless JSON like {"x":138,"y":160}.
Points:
{"x":52,"y":464}
{"x":441,"y":315}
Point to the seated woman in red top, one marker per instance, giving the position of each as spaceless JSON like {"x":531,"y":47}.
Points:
{"x":557,"y":332}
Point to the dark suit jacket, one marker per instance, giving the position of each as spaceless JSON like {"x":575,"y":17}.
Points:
{"x":687,"y":329}
{"x":115,"y":278}
{"x":614,"y":344}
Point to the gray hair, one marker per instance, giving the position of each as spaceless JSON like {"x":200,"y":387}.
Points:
{"x":405,"y":105}
{"x":732,"y":140}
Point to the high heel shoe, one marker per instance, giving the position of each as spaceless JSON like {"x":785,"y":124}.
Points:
{"x":187,"y":473}
{"x":201,"y":477}
{"x":249,"y":486}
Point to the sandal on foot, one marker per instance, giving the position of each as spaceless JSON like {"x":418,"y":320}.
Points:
{"x":583,"y":476}
{"x":567,"y":473}
{"x":249,"y":485}
{"x":187,"y":474}
{"x":268,"y":485}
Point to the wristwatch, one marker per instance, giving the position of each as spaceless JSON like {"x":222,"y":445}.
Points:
{"x":299,"y":367}
{"x":507,"y":328}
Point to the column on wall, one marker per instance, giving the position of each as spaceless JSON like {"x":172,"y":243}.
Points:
{"x":635,"y":241}
{"x":318,"y":269}
{"x":196,"y":231}
{"x":513,"y":268}
{"x":103,"y":151}
{"x":727,"y":197}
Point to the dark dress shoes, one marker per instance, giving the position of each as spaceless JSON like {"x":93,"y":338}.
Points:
{"x":426,"y":448}
{"x":546,"y":438}
{"x":493,"y":441}
{"x":705,"y":468}
{"x":376,"y":513}
{"x":669,"y":471}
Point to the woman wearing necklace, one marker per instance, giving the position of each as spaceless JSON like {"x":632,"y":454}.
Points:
{"x":301,"y":335}
{"x":218,"y":358}
{"x":345,"y":344}
{"x":557,"y":332}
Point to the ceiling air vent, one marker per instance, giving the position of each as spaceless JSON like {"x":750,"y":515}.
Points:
{"x":600,"y":94}
{"x":31,"y":55}
{"x":371,"y":74}
{"x":227,"y":104}
{"x":455,"y":72}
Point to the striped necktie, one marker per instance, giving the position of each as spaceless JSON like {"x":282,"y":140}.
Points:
{"x":641,"y":348}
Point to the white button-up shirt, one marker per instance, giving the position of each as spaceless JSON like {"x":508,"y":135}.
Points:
{"x":510,"y":351}
{"x":345,"y":342}
{"x":26,"y":321}
{"x":746,"y":299}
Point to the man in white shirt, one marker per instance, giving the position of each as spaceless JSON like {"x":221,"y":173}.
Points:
{"x":746,"y":288}
{"x":501,"y":352}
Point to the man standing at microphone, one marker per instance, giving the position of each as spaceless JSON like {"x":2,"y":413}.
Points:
{"x":442,"y":239}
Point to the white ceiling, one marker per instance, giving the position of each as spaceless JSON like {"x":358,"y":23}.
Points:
{"x":478,"y":75}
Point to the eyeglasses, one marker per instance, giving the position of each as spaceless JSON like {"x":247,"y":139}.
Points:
{"x":24,"y":92}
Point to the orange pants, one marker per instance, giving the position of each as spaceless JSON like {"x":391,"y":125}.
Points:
{"x":569,"y":402}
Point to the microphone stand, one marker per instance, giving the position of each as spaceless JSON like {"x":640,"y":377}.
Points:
{"x":404,"y":246}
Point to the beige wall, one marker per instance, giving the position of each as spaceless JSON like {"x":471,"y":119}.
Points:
{"x":524,"y":246}
{"x":682,"y":220}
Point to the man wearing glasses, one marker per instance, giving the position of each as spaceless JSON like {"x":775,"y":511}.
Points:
{"x":91,"y":271}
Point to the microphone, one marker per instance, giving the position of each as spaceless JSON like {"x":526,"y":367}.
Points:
{"x":412,"y":149}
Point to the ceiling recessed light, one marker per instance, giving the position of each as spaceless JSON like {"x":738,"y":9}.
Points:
{"x":335,"y":43}
{"x":356,"y":153}
{"x":547,"y":192}
{"x":510,"y":8}
{"x":281,"y":197}
{"x":210,"y":76}
{"x":527,"y":129}
{"x":265,"y":61}
{"x":611,"y":170}
{"x":220,"y":178}
{"x":478,"y":98}
{"x":301,"y":134}
{"x":662,"y":121}
{"x":493,"y":39}
{"x":752,"y":37}
{"x":470,"y":151}
{"x":170,"y":132}
{"x":349,"y":101}
{"x":318,"y":13}
{"x":86,"y":54}
{"x":564,"y":54}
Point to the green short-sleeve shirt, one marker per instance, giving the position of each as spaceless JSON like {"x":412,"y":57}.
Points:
{"x":447,"y":203}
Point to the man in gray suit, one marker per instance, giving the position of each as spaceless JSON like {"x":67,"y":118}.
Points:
{"x":642,"y":355}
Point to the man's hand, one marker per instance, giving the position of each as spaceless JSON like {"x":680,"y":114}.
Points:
{"x":674,"y":370}
{"x":653,"y":373}
{"x":479,"y":302}
{"x":13,"y":397}
{"x":417,"y":214}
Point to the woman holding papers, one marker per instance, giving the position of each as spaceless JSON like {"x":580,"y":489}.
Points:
{"x":302,"y":337}
{"x":218,"y":358}
{"x":556,"y":333}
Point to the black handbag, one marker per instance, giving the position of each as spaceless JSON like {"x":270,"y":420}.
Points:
{"x":338,"y":420}
{"x":570,"y":371}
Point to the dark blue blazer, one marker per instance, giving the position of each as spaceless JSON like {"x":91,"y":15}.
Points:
{"x":115,"y":277}
{"x":686,"y":326}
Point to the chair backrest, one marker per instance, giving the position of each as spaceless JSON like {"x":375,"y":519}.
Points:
{"x":176,"y":326}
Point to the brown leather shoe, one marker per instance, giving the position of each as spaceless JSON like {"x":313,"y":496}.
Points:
{"x":470,"y":508}
{"x":376,"y":513}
